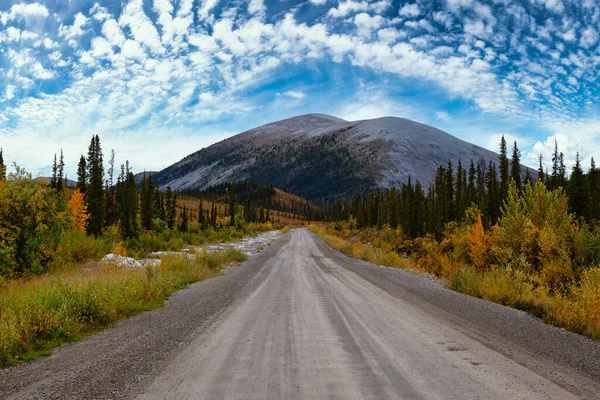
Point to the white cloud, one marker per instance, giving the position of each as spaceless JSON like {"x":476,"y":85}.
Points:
{"x":207,"y":6}
{"x":443,"y":116}
{"x":366,"y":24}
{"x":24,"y":11}
{"x":256,"y":7}
{"x":142,"y":29}
{"x":589,"y":37}
{"x":410,"y":10}
{"x":72,"y":32}
{"x":294,"y":94}
{"x":348,"y":7}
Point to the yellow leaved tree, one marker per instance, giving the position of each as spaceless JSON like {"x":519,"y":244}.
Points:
{"x":79,"y":214}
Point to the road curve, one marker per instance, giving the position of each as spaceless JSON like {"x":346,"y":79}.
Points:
{"x":303,"y":321}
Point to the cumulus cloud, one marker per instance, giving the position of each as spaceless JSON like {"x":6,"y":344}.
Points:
{"x":24,"y":11}
{"x":410,"y":10}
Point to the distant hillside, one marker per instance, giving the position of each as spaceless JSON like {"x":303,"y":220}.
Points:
{"x":320,"y":157}
{"x":140,"y":176}
{"x":47,"y":180}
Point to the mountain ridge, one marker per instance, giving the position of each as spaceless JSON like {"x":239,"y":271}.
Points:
{"x":320,"y":157}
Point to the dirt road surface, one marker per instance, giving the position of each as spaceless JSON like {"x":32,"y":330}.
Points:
{"x":302,"y":321}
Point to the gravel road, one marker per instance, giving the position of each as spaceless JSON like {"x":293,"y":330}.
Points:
{"x":301,"y":320}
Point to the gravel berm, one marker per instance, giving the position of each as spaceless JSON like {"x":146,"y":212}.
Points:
{"x":301,"y":320}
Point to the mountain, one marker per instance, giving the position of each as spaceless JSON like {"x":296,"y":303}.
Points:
{"x":140,"y":176}
{"x":320,"y":157}
{"x":47,"y":179}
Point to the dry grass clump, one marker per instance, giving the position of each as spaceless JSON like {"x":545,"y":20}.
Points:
{"x":39,"y":313}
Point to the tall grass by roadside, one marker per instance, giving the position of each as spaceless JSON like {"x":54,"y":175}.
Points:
{"x":42,"y":312}
{"x":357,"y":249}
{"x":576,"y":309}
{"x":558,"y":298}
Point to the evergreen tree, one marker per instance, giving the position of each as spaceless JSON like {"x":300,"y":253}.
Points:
{"x":503,"y":166}
{"x":95,"y":187}
{"x":158,"y":205}
{"x":54,"y":179}
{"x":213,"y":215}
{"x":169,"y":208}
{"x":2,"y":166}
{"x":494,"y":199}
{"x":460,"y":196}
{"x":82,"y":175}
{"x":183,"y":225}
{"x":541,"y":175}
{"x":594,"y":190}
{"x":578,"y":191}
{"x":555,"y":168}
{"x":201,"y":219}
{"x":515,"y":167}
{"x":562,"y":171}
{"x":231,"y":207}
{"x":126,"y":202}
{"x":449,"y":194}
{"x":418,"y":211}
{"x":146,"y":207}
{"x":60,"y":179}
{"x":528,"y":180}
{"x":110,"y":192}
{"x":471,"y":186}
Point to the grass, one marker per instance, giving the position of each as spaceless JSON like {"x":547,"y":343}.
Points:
{"x":575,"y":307}
{"x":357,"y":249}
{"x":43,"y":312}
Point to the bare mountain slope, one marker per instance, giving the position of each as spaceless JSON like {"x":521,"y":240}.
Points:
{"x":320,"y":157}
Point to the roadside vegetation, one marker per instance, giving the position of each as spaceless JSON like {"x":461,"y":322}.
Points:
{"x":53,"y":287}
{"x":532,"y":245}
{"x":62,"y":306}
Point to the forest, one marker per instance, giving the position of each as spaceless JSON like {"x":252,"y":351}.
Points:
{"x":527,"y":240}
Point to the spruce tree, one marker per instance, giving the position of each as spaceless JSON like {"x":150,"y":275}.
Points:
{"x":554,"y":179}
{"x":503,"y":166}
{"x":110,"y":192}
{"x":528,"y":180}
{"x":146,"y":209}
{"x":183,"y":225}
{"x":515,"y":167}
{"x":449,"y":194}
{"x":127,"y":203}
{"x":471,"y":186}
{"x":60,"y":179}
{"x":95,"y":187}
{"x":231,"y":208}
{"x":541,"y":175}
{"x":169,"y":216}
{"x":578,"y":192}
{"x":459,"y":196}
{"x":494,"y":199}
{"x":54,"y":179}
{"x":2,"y":166}
{"x":82,"y":175}
{"x":562,"y":171}
{"x":594,"y":190}
{"x":173,"y":211}
{"x":201,"y":219}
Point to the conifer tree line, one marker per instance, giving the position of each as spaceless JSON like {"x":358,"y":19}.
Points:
{"x":419,"y":211}
{"x":260,"y":196}
{"x":119,"y":201}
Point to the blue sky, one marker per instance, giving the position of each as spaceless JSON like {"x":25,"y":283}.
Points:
{"x":159,"y":79}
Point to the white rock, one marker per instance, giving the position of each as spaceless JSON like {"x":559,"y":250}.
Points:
{"x":121,"y":261}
